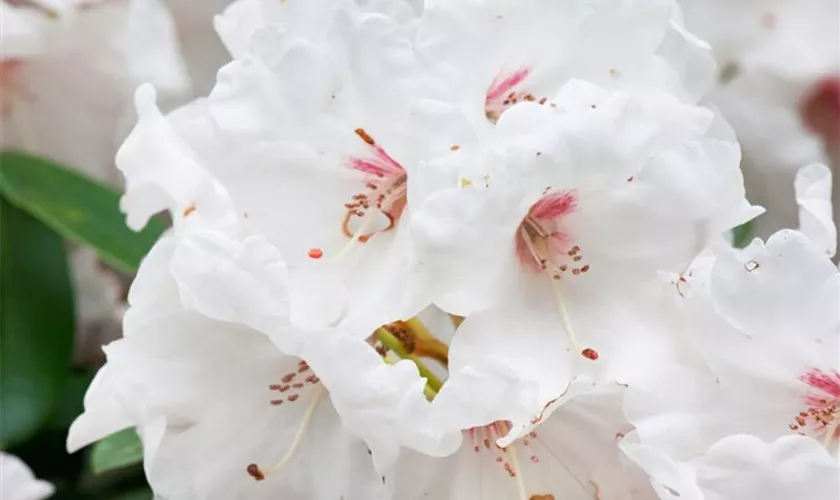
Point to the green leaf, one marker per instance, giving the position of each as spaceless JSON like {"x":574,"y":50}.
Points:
{"x":742,"y":235}
{"x":116,"y":451}
{"x":36,"y":323}
{"x":139,"y":494}
{"x":80,"y":209}
{"x":70,"y":401}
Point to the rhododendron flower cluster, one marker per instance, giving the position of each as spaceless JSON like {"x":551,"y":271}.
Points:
{"x":467,"y":250}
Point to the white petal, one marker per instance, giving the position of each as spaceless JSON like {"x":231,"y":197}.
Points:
{"x":17,"y":482}
{"x":784,"y":296}
{"x":790,"y":467}
{"x":161,"y":171}
{"x":383,"y":404}
{"x":816,"y":218}
{"x":104,"y":414}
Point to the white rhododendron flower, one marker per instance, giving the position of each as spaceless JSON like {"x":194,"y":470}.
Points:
{"x":316,"y":110}
{"x":215,"y":269}
{"x":472,"y":250}
{"x":17,"y":482}
{"x":218,"y":406}
{"x":773,"y":377}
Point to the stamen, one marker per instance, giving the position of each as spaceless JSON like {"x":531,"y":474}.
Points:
{"x":359,"y":236}
{"x":514,"y":468}
{"x":587,"y":352}
{"x":259,"y":474}
{"x":386,"y":181}
{"x":542,"y":245}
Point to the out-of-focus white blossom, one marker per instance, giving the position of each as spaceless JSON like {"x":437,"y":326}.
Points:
{"x":778,"y":84}
{"x":17,"y":482}
{"x":65,"y":60}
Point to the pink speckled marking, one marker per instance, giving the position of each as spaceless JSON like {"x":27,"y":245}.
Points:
{"x":828,"y":383}
{"x":381,"y":165}
{"x":542,"y":243}
{"x":500,"y":88}
{"x":553,"y":205}
{"x":385,"y":188}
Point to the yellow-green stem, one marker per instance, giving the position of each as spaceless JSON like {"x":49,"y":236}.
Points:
{"x":393,"y":344}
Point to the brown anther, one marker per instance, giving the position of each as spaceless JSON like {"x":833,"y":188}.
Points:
{"x":509,"y":470}
{"x":563,"y":268}
{"x":365,"y":137}
{"x":576,"y":271}
{"x":541,"y":497}
{"x":630,"y":179}
{"x":288,"y":377}
{"x":190,"y":209}
{"x":255,"y":472}
{"x":535,"y":458}
{"x":276,"y":402}
{"x":543,"y":100}
{"x":487,"y":443}
{"x":589,"y":353}
{"x":297,"y":385}
{"x":454,"y":147}
{"x":585,"y":268}
{"x":293,"y":397}
{"x":499,"y":459}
